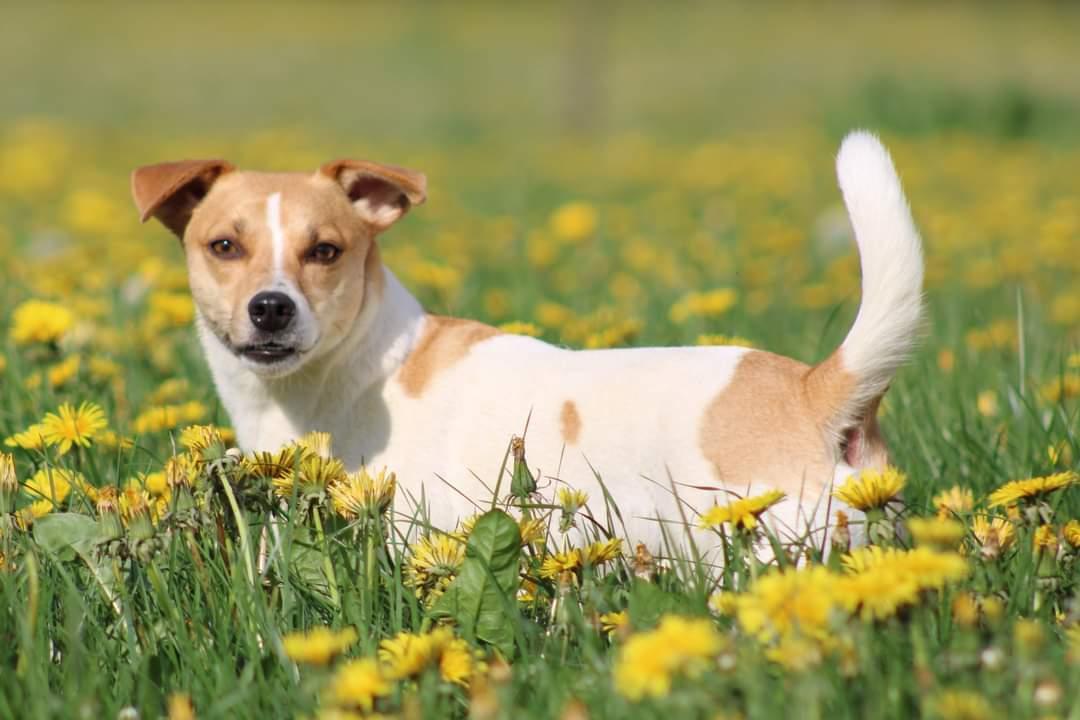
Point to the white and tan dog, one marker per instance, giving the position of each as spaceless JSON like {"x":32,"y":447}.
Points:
{"x":305,"y":329}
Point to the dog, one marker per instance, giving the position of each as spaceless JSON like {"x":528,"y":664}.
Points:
{"x":305,"y":329}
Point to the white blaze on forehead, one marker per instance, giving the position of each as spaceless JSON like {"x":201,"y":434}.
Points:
{"x":277,"y":233}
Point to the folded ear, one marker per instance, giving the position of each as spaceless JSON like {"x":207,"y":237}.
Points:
{"x":170,"y":191}
{"x":381,"y":194}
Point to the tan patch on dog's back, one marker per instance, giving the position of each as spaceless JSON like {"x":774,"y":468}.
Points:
{"x":570,"y":422}
{"x":445,"y":341}
{"x":768,"y":426}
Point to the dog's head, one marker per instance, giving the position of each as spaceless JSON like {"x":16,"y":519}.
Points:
{"x":280,"y":264}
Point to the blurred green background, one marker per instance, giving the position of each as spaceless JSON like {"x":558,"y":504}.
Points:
{"x":473,"y":72}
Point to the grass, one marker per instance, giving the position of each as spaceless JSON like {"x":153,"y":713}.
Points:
{"x":669,"y":180}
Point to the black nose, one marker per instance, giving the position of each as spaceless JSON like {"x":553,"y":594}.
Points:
{"x":271,"y":311}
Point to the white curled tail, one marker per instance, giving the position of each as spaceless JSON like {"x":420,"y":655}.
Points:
{"x":887,"y":326}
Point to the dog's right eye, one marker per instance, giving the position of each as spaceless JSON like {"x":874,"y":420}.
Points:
{"x":225,"y":248}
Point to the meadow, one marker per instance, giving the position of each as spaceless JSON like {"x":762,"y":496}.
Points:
{"x":594,"y":197}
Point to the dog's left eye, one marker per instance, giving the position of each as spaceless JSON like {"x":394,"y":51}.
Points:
{"x":324,"y":253}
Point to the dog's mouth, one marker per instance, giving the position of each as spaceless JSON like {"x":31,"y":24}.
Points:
{"x":267,"y":353}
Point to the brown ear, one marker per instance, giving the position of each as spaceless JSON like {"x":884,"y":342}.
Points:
{"x":381,"y":194}
{"x":170,"y":191}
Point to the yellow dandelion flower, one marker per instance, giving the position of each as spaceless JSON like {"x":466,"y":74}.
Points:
{"x":112,"y":440}
{"x":433,"y":563}
{"x":965,"y":610}
{"x":963,"y":705}
{"x":574,"y":221}
{"x":49,"y":487}
{"x":742,"y":513}
{"x":313,"y":474}
{"x":169,"y":309}
{"x":614,"y":621}
{"x":946,"y":360}
{"x":181,"y":471}
{"x":941,"y":532}
{"x":929,"y":568}
{"x":407,"y":655}
{"x":63,"y":372}
{"x":318,"y":646}
{"x":1046,"y":539}
{"x":1071,"y":533}
{"x":68,"y":427}
{"x":994,"y":535}
{"x":33,"y":438}
{"x":168,"y":417}
{"x":649,"y":662}
{"x":552,"y":315}
{"x":3,"y":364}
{"x":36,"y":321}
{"x":318,"y":443}
{"x":987,"y":403}
{"x":571,"y":500}
{"x":955,"y":500}
{"x":789,"y":601}
{"x":1022,"y":490}
{"x":271,"y":465}
{"x":521,"y":328}
{"x":877,"y":595}
{"x":358,"y":683}
{"x":533,"y":531}
{"x":796,"y":653}
{"x":458,"y":662}
{"x":108,"y":500}
{"x":712,"y":303}
{"x":363,"y":495}
{"x":1061,"y":388}
{"x":196,"y":438}
{"x":882,"y":580}
{"x":724,"y":340}
{"x":871,"y":488}
{"x":724,"y":603}
{"x":180,"y":707}
{"x":555,"y":565}
{"x":601,"y":552}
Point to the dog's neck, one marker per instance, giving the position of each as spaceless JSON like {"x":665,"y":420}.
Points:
{"x":341,"y":388}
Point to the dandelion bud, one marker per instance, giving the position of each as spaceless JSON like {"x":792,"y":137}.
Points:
{"x":993,"y":609}
{"x":644,"y":564}
{"x":965,"y":610}
{"x":522,"y":483}
{"x":136,"y":512}
{"x":841,"y":535}
{"x":108,"y":509}
{"x":9,"y":483}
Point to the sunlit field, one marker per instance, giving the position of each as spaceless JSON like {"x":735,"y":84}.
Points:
{"x":597,"y":180}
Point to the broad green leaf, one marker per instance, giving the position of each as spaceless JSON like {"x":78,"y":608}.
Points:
{"x":648,"y":602}
{"x":65,"y":534}
{"x":482,"y":599}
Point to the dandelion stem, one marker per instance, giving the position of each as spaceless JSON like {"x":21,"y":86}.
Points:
{"x":328,"y":566}
{"x":241,"y":527}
